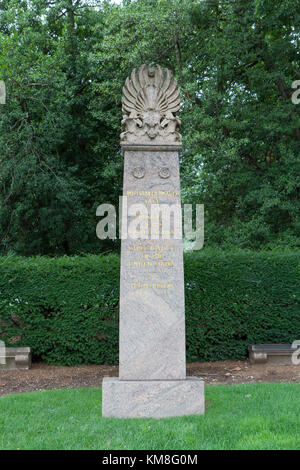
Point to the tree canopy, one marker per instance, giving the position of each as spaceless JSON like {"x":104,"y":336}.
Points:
{"x":64,"y":63}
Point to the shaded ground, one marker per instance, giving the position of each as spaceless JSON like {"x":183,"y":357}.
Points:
{"x":43,"y":377}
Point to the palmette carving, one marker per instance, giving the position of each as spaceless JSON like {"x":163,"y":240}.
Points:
{"x":150,"y":103}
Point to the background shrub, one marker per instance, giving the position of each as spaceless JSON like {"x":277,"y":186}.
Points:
{"x":66,"y":308}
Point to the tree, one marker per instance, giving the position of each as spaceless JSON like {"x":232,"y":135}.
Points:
{"x":65,"y":62}
{"x":52,"y":172}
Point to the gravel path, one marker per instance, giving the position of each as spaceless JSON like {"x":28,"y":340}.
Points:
{"x":43,"y":377}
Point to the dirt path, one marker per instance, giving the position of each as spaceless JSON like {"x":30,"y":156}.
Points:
{"x":43,"y":377}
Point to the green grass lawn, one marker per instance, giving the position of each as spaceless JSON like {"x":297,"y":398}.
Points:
{"x":252,"y":416}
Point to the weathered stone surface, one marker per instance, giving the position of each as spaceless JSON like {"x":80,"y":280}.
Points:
{"x":271,"y":354}
{"x":15,"y":358}
{"x":152,"y":399}
{"x":152,"y":320}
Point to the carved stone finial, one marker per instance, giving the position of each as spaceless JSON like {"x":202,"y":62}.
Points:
{"x":150,"y":101}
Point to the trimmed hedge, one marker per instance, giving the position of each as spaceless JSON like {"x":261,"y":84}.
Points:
{"x":237,"y":299}
{"x":66,"y":308}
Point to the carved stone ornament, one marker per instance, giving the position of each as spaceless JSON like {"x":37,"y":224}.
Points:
{"x":138,"y":172}
{"x":164,"y":172}
{"x":150,"y":103}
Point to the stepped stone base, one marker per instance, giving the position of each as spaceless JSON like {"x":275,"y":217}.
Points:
{"x":152,"y":398}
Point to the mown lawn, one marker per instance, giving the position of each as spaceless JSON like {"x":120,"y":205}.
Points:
{"x":252,"y":416}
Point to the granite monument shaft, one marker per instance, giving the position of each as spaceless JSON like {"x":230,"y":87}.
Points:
{"x":152,"y":378}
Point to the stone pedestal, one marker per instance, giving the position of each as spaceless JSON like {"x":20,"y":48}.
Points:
{"x":152,"y":398}
{"x":152,"y":379}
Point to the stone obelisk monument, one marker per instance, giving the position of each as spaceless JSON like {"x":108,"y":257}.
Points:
{"x":152,"y":380}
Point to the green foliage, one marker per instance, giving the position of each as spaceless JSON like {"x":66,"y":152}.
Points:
{"x":237,"y":299}
{"x":54,"y":153}
{"x":64,"y":63}
{"x":235,"y":62}
{"x":66,"y":309}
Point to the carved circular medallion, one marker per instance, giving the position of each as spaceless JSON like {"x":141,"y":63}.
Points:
{"x":164,"y":172}
{"x":138,"y":172}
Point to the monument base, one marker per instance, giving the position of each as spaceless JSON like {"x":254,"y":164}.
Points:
{"x":152,"y":398}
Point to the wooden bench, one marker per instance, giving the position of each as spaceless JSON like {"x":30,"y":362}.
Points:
{"x":273,"y":354}
{"x":15,"y":358}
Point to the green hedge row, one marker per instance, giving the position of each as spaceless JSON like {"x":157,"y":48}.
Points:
{"x":66,"y":309}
